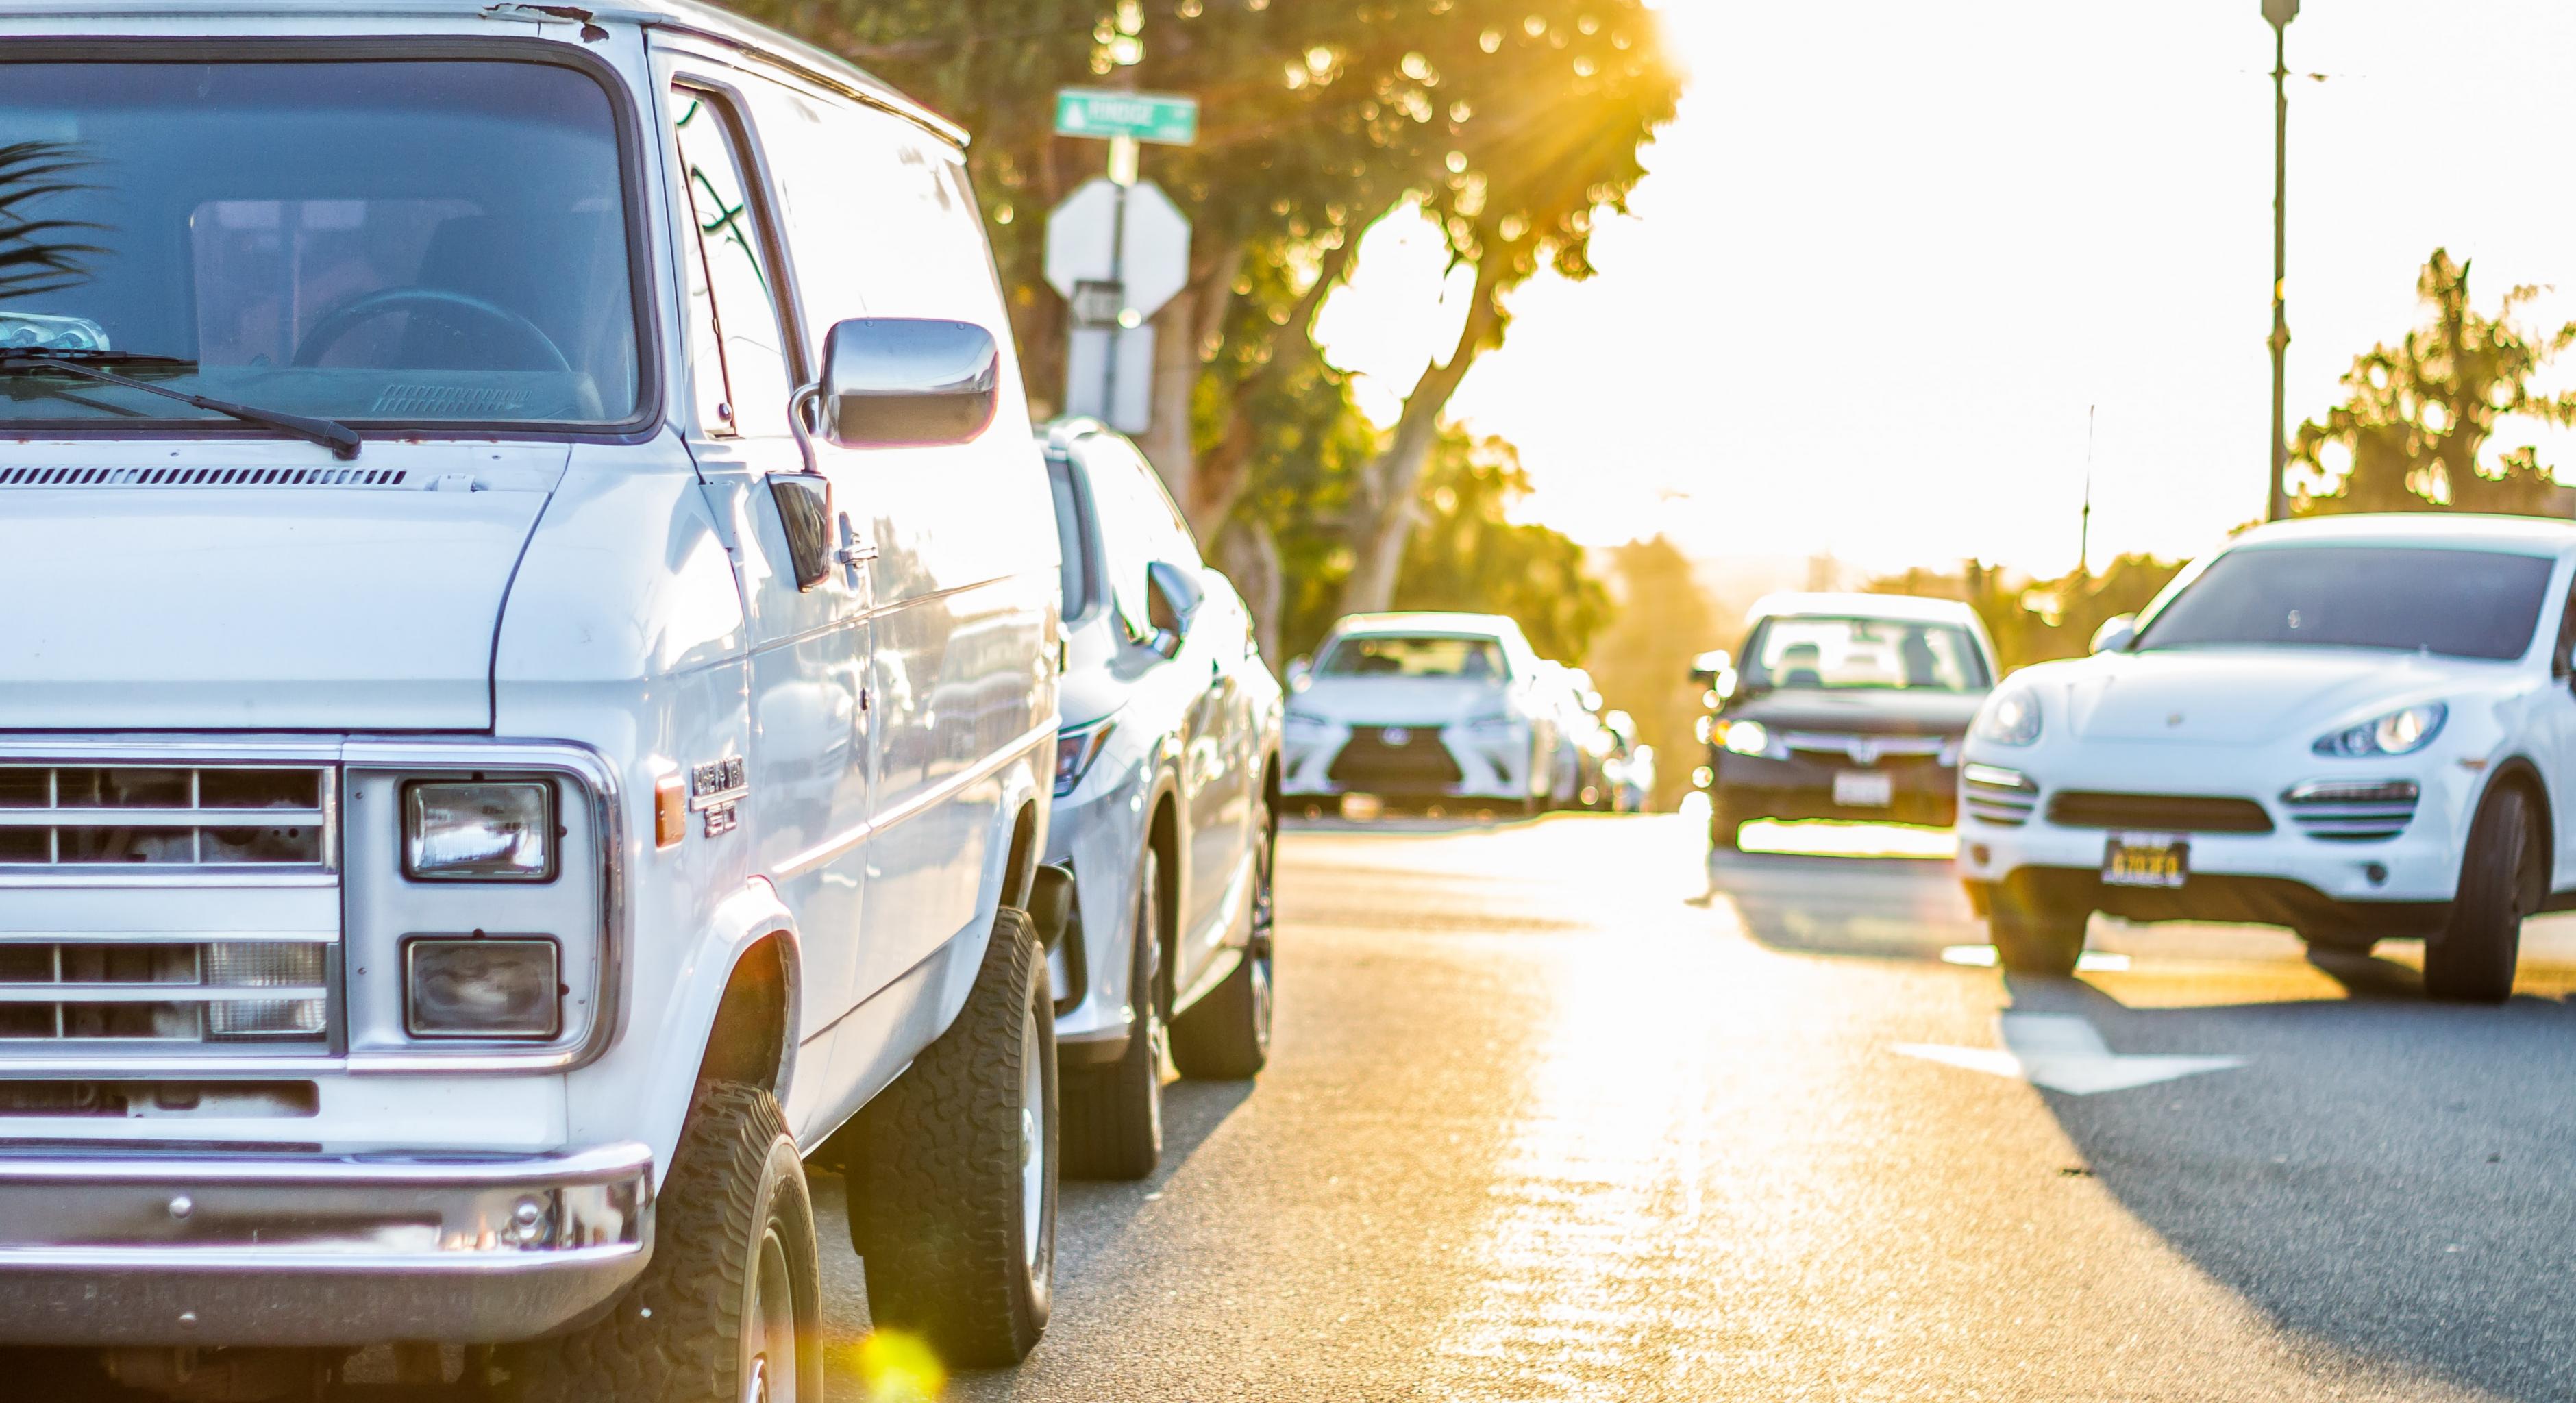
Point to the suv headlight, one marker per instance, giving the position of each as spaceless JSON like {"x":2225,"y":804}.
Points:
{"x":1745,"y":737}
{"x":1074,"y":752}
{"x":477,"y":831}
{"x":2009,"y":718}
{"x":2401,"y":732}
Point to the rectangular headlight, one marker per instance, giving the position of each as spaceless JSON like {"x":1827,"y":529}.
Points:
{"x":457,"y":831}
{"x":481,"y":987}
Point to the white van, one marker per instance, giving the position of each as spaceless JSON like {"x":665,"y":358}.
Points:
{"x":526,"y":702}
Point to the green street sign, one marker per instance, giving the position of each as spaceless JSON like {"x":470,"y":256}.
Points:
{"x":1155,"y":117}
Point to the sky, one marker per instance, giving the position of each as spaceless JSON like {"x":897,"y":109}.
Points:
{"x":1890,"y":252}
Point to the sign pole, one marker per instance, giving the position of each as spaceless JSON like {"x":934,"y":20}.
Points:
{"x":1124,"y":158}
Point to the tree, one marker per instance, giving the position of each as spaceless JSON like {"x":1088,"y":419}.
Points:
{"x":1641,"y":662}
{"x":2033,"y":621}
{"x":39,"y":255}
{"x":2410,"y":436}
{"x":1468,"y":554}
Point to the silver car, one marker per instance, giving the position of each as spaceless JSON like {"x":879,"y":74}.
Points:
{"x":1166,"y":796}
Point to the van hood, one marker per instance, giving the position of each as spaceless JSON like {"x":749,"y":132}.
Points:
{"x":254,"y":608}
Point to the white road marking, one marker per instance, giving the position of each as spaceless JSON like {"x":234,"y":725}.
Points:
{"x":2061,"y":1051}
{"x":1983,"y":957}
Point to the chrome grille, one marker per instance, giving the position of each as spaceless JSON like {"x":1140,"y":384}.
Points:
{"x":2347,"y":811}
{"x":76,"y":817}
{"x":160,"y":990}
{"x":1992,"y":794}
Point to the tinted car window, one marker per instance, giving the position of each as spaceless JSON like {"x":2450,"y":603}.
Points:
{"x":1885,"y":654}
{"x":1381,"y":656}
{"x":389,"y":241}
{"x":1073,"y":538}
{"x":2459,"y":603}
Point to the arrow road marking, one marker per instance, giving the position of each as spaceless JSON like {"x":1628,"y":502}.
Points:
{"x":2061,"y":1051}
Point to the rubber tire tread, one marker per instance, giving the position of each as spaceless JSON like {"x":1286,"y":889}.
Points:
{"x":1110,"y":1128}
{"x":1219,"y":1037}
{"x":2472,"y":959}
{"x":672,"y":1338}
{"x":935,"y":1173}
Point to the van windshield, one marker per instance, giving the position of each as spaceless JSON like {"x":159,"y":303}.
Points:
{"x":406,"y":242}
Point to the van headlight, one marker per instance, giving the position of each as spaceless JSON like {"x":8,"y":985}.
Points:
{"x":2009,"y":718}
{"x":477,"y":831}
{"x":2401,"y":732}
{"x":481,"y":987}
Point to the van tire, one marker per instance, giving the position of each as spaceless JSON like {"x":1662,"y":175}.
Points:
{"x":1225,"y":1036}
{"x":939,"y":1210}
{"x":2044,"y":944}
{"x":733,"y":1224}
{"x":2502,"y":877}
{"x":1113,"y":1115}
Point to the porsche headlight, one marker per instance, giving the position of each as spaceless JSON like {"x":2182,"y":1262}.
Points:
{"x":2401,"y":732}
{"x":455,"y":831}
{"x":2009,"y":718}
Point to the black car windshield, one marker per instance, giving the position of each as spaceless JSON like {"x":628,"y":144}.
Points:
{"x":1844,"y":653}
{"x":1425,"y":656}
{"x":2459,"y":603}
{"x":406,"y":242}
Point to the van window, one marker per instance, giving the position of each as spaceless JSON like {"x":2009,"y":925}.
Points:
{"x":405,"y":242}
{"x":741,"y":378}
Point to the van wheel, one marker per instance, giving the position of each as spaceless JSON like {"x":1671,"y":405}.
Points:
{"x":729,"y":1308}
{"x":2037,"y":943}
{"x":2502,"y":878}
{"x":953,"y":1179}
{"x":1226,"y":1035}
{"x":1113,"y":1116}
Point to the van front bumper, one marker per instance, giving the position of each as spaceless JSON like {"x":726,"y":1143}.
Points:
{"x":224,"y":1248}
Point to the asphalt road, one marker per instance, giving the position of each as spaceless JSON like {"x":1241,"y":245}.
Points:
{"x":1561,"y":1110}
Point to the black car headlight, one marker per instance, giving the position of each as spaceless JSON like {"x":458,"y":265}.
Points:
{"x":479,"y":831}
{"x":481,"y":987}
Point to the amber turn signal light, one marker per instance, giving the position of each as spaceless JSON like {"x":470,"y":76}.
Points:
{"x":670,"y":811}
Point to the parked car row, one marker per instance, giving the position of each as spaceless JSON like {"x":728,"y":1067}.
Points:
{"x":1429,"y":709}
{"x":553,"y":686}
{"x":2359,"y":728}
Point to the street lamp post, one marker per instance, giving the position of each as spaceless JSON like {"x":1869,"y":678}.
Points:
{"x":2279,"y":13}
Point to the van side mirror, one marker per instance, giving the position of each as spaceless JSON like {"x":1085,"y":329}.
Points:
{"x":2116,"y":634}
{"x":891,"y":382}
{"x":1172,"y":598}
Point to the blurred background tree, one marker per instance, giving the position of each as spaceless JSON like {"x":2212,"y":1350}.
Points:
{"x":1641,"y":662}
{"x":2420,"y":413}
{"x":1467,"y":553}
{"x":2034,"y":621}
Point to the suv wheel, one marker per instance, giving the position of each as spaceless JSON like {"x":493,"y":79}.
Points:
{"x":1226,"y":1035}
{"x":729,"y":1308}
{"x":1113,"y":1116}
{"x":953,"y":1176}
{"x":2502,"y":880}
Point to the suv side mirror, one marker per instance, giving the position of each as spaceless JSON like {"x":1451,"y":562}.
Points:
{"x":1299,"y":669}
{"x":1171,"y":599}
{"x":2116,"y":634}
{"x":898,"y":382}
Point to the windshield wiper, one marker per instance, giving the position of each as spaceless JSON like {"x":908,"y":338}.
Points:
{"x":342,"y":440}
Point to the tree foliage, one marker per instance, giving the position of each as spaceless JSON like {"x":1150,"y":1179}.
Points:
{"x":39,"y":254}
{"x":2034,"y":621}
{"x":2412,"y":432}
{"x":1469,"y":554}
{"x":1641,"y":662}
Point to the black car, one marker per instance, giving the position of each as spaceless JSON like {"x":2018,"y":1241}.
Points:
{"x":1844,"y":706}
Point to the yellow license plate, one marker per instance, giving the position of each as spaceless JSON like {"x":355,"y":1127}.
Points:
{"x":2145,"y":860}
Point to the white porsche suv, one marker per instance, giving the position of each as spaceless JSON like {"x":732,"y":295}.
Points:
{"x":2360,"y":728}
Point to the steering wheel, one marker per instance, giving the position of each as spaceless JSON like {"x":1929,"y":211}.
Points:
{"x":431,"y":302}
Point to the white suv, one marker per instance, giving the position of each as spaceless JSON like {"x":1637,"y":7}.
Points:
{"x":527,"y":704}
{"x":2360,"y":727}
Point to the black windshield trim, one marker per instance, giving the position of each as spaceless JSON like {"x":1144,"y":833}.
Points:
{"x":651,"y":391}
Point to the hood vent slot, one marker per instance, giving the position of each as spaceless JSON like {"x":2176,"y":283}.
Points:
{"x":59,"y":477}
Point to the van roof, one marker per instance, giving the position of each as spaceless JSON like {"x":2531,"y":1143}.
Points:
{"x":820,"y":65}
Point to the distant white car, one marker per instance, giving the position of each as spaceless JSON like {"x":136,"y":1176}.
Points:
{"x":2360,"y":728}
{"x":1422,"y":708}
